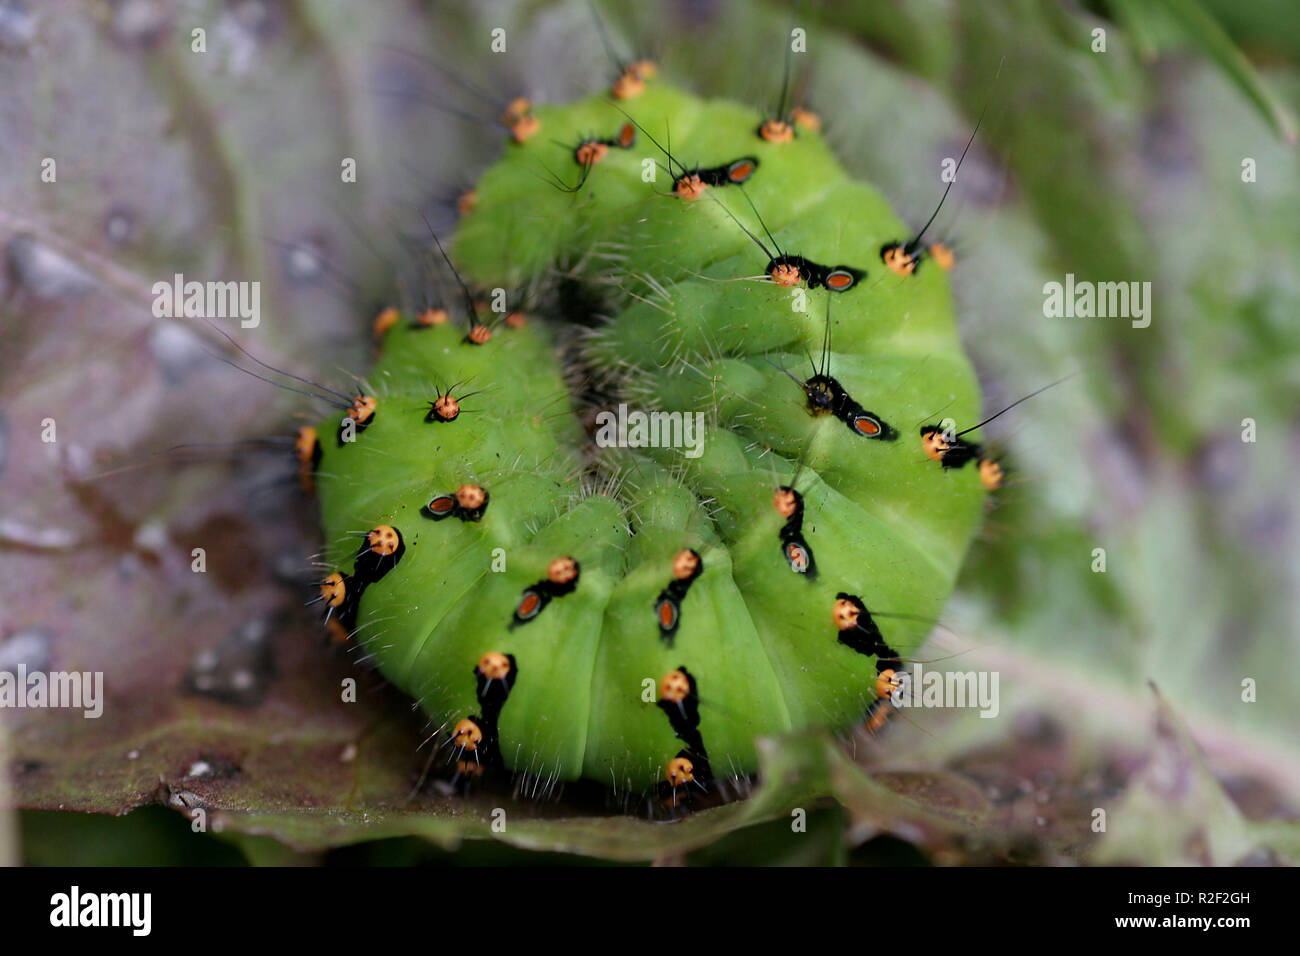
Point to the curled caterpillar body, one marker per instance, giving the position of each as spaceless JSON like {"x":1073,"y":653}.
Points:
{"x":529,"y":628}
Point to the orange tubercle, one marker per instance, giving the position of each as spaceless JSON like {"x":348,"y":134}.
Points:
{"x":679,"y":771}
{"x":363,"y":408}
{"x":776,"y":131}
{"x":494,"y":665}
{"x":334,"y":590}
{"x":385,"y":320}
{"x":383,"y":540}
{"x":845,"y":614}
{"x":689,"y":187}
{"x":783,"y":499}
{"x":467,"y":734}
{"x":806,"y":119}
{"x":934,"y":444}
{"x":991,"y":474}
{"x":898,"y":261}
{"x":470,"y":497}
{"x":785,"y":274}
{"x":590,"y":153}
{"x":674,"y":687}
{"x":562,"y":570}
{"x":942,"y":255}
{"x":685,"y":564}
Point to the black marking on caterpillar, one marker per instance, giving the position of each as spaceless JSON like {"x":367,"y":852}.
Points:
{"x":687,"y":566}
{"x":789,"y":270}
{"x":479,"y":734}
{"x":949,"y":451}
{"x":794,"y":549}
{"x":493,"y":690}
{"x":468,"y":503}
{"x":689,"y":183}
{"x":858,"y":631}
{"x":561,"y":579}
{"x":734,"y":173}
{"x":341,"y":592}
{"x":378,"y":554}
{"x":679,"y":699}
{"x":817,"y":276}
{"x":825,"y":394}
{"x":624,"y":139}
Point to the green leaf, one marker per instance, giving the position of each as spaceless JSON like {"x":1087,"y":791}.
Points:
{"x":1206,"y":33}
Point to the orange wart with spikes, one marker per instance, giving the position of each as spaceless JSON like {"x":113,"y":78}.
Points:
{"x":942,"y":255}
{"x":359,"y":416}
{"x":467,"y":735}
{"x":631,"y":81}
{"x":592,"y":151}
{"x":333,"y":590}
{"x":806,"y":119}
{"x":992,"y":474}
{"x":385,"y":320}
{"x":494,"y":665}
{"x":444,"y":408}
{"x":680,"y":771}
{"x":520,"y":121}
{"x":363,"y":409}
{"x":674,"y":687}
{"x":306,"y":448}
{"x":777,"y":131}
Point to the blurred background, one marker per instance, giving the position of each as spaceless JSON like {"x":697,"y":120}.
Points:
{"x":1161,"y":690}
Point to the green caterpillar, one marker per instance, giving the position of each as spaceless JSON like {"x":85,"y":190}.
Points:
{"x":637,"y":616}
